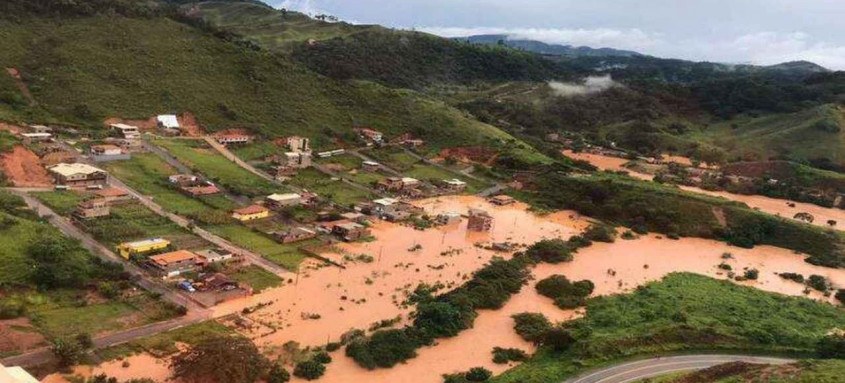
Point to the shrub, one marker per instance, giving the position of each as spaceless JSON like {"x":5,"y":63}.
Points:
{"x":278,"y":374}
{"x":11,"y":309}
{"x":201,"y":363}
{"x":442,"y":319}
{"x":567,"y":295}
{"x":752,"y":274}
{"x":504,"y":355}
{"x":67,"y":351}
{"x":600,"y":233}
{"x":558,"y":338}
{"x":831,"y":346}
{"x":478,"y":374}
{"x":795,"y":277}
{"x":553,"y":286}
{"x":385,"y":348}
{"x":531,"y":326}
{"x":818,"y":282}
{"x":322,"y":357}
{"x":840,"y":296}
{"x":550,"y":251}
{"x":309,"y":370}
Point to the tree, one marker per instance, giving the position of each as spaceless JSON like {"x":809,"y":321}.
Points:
{"x":309,"y":369}
{"x":221,"y":359}
{"x":550,"y":250}
{"x":831,"y":346}
{"x":442,"y":319}
{"x":752,"y":274}
{"x":478,"y":374}
{"x":840,"y":296}
{"x":58,"y":262}
{"x":806,"y":217}
{"x":385,"y":348}
{"x":531,"y":326}
{"x":558,"y":338}
{"x":278,"y":374}
{"x":67,"y":351}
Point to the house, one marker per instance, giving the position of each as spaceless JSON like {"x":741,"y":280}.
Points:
{"x":297,"y":160}
{"x":283,"y":173}
{"x":77,"y":175}
{"x":278,"y":201}
{"x":15,"y":375}
{"x":233,"y":138}
{"x":40,"y":129}
{"x":381,"y":204}
{"x":395,"y":214}
{"x":214,"y":256}
{"x":390,"y":184}
{"x":193,"y":185}
{"x":454,"y":185}
{"x":217,"y":282}
{"x":29,"y":138}
{"x":168,"y":122}
{"x":502,"y":200}
{"x":295,"y":234}
{"x":113,"y":195}
{"x":127,"y":249}
{"x":370,"y":166}
{"x":408,"y":182}
{"x":250,"y":213}
{"x":413,"y":143}
{"x":128,"y":132}
{"x":92,"y":209}
{"x":447,"y":218}
{"x":479,"y":220}
{"x":175,"y":262}
{"x":299,"y":144}
{"x":350,"y":231}
{"x":182,"y":179}
{"x":354,"y":217}
{"x":331,"y":153}
{"x":370,"y":135}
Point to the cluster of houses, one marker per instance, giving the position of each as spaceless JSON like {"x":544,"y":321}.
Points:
{"x":298,"y":156}
{"x":192,"y":185}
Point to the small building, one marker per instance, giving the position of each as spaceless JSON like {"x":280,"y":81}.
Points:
{"x":206,"y":188}
{"x":390,"y":184}
{"x":113,"y":195}
{"x":176,"y":262}
{"x":92,"y":209}
{"x":192,"y":185}
{"x":370,"y":135}
{"x":447,"y":218}
{"x":182,"y":179}
{"x":40,"y":129}
{"x":127,"y":249}
{"x":299,"y":160}
{"x":250,"y":213}
{"x":217,"y":282}
{"x":214,"y":256}
{"x":295,"y":234}
{"x":299,"y":144}
{"x":29,"y":138}
{"x":395,"y":214}
{"x":233,"y":138}
{"x":283,"y":173}
{"x":350,"y":231}
{"x":106,"y":150}
{"x":479,"y":220}
{"x":76,"y":174}
{"x":128,"y":132}
{"x":370,"y":166}
{"x":502,"y":200}
{"x":408,"y":182}
{"x":168,"y":122}
{"x":279,"y":201}
{"x":381,"y":204}
{"x":354,"y":217}
{"x":454,"y":185}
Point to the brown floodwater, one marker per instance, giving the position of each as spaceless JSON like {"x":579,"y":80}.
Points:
{"x":769,"y":205}
{"x":448,"y":255}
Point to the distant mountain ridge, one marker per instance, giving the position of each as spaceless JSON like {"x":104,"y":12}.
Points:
{"x":544,"y":48}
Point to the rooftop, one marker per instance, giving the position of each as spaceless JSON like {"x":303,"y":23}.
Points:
{"x":146,"y":242}
{"x":385,"y":201}
{"x":455,"y":181}
{"x":168,"y":120}
{"x":283,"y":197}
{"x":66,"y":169}
{"x":172,"y":257}
{"x":124,"y":126}
{"x":252,"y":209}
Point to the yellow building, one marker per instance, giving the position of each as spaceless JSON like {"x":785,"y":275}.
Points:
{"x":250,"y":213}
{"x":140,"y":247}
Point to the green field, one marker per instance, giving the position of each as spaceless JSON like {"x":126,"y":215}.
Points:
{"x":202,"y":158}
{"x":335,"y":190}
{"x":256,"y":277}
{"x":256,"y":151}
{"x":682,"y":312}
{"x":805,"y":371}
{"x":165,"y":343}
{"x":285,"y":255}
{"x":14,"y":269}
{"x":133,"y":222}
{"x":61,"y":202}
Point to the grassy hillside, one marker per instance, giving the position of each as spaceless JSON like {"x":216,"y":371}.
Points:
{"x":682,"y":312}
{"x":85,"y":69}
{"x":807,"y":371}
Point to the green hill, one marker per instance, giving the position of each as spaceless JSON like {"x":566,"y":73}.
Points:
{"x":88,"y":68}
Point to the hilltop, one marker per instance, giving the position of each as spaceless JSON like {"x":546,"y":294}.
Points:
{"x":544,"y":48}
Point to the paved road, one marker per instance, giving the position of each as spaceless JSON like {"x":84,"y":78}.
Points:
{"x":249,"y":256}
{"x":648,"y":368}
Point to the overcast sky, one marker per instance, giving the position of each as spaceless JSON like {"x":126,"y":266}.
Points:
{"x":735,"y":31}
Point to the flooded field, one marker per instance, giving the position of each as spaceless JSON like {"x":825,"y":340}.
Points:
{"x":769,"y":205}
{"x":323,"y":303}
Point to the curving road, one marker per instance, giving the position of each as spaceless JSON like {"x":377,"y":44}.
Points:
{"x":649,"y":368}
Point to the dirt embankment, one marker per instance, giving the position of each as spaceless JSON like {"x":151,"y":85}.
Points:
{"x":16,"y":75}
{"x":189,"y":123}
{"x":470,"y":154}
{"x":18,"y":335}
{"x":24,"y":169}
{"x":14,"y":129}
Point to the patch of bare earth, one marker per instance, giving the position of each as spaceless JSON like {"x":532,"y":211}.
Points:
{"x":190,"y":125}
{"x":18,"y":335}
{"x":24,"y":169}
{"x":16,"y":75}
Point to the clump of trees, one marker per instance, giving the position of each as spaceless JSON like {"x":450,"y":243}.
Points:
{"x":832,"y":346}
{"x":531,"y":326}
{"x":505,"y":355}
{"x":442,"y":316}
{"x":550,"y":251}
{"x":600,"y":233}
{"x":566,"y":294}
{"x":475,"y":374}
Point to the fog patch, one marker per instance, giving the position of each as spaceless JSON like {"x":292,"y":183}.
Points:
{"x":590,"y":85}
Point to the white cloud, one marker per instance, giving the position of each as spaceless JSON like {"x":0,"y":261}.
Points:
{"x":591,"y":84}
{"x":635,"y":39}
